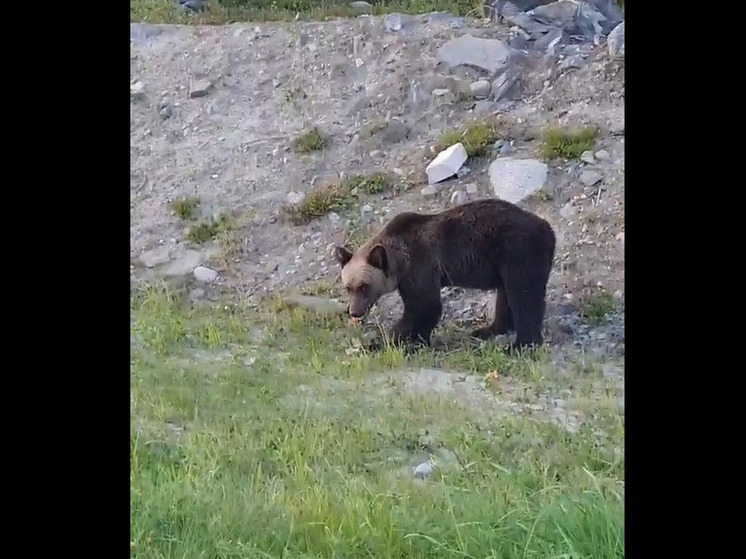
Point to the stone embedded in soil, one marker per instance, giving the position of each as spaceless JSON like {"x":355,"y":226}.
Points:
{"x":516,"y":179}
{"x":446,"y":164}
{"x":137,"y":90}
{"x":207,"y":275}
{"x":318,"y":305}
{"x":428,"y":192}
{"x":502,"y":84}
{"x":587,"y":156}
{"x":184,"y":264}
{"x":361,"y":7}
{"x":472,"y":189}
{"x":490,"y":55}
{"x":394,"y":22}
{"x":590,"y":177}
{"x":156,"y":256}
{"x":199,"y":88}
{"x":602,"y":155}
{"x":484,"y":107}
{"x":615,"y":41}
{"x":480,"y":89}
{"x":568,"y":211}
{"x":572,"y":61}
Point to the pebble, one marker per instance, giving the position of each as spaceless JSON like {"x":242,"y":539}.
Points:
{"x":587,"y":157}
{"x":199,"y":88}
{"x":459,"y":197}
{"x":207,"y":275}
{"x":423,"y":470}
{"x":428,"y":192}
{"x":472,"y":189}
{"x":137,"y":90}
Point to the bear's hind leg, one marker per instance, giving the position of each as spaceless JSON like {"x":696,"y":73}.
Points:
{"x":502,"y":322}
{"x":527,"y":304}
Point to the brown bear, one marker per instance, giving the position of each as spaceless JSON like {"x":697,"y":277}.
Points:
{"x":486,"y":244}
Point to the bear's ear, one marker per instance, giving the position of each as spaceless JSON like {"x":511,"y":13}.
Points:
{"x":378,"y":258}
{"x":342,"y":255}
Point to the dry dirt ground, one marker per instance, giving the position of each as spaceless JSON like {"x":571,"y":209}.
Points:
{"x":370,"y":92}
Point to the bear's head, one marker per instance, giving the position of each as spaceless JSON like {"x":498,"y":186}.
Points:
{"x":367,"y":275}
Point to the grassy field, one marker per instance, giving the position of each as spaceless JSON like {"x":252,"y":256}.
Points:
{"x":266,"y":432}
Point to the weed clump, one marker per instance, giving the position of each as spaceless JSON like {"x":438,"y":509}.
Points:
{"x":309,"y":141}
{"x":569,"y":144}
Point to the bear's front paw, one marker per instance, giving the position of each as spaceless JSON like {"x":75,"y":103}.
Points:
{"x":402,"y":333}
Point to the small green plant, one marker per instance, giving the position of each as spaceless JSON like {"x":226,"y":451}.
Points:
{"x":209,"y":229}
{"x":319,"y":201}
{"x":375,"y":183}
{"x":373,"y":127}
{"x":570,"y":144}
{"x":309,"y":141}
{"x":596,"y":306}
{"x":185,"y":208}
{"x":476,"y":137}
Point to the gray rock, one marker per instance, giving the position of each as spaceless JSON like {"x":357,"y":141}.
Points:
{"x":530,"y":25}
{"x":485,"y":107}
{"x":166,"y":111}
{"x":617,"y":127}
{"x":550,"y":40}
{"x":568,"y":211}
{"x":587,"y":156}
{"x":318,"y":305}
{"x":602,"y":155}
{"x":204,"y":274}
{"x":429,"y":191}
{"x":615,"y":41}
{"x":502,"y":84}
{"x":191,"y":5}
{"x":360,"y":7}
{"x":463,"y":171}
{"x":515,"y":179}
{"x":199,"y":88}
{"x":156,"y":256}
{"x":490,"y":55}
{"x":590,"y":177}
{"x":480,"y":89}
{"x":472,"y":189}
{"x":423,"y":470}
{"x":572,"y":61}
{"x":185,"y":264}
{"x":395,"y":132}
{"x":137,"y":90}
{"x":395,"y":22}
{"x":440,"y":92}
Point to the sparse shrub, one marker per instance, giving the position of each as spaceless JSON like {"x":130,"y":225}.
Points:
{"x":570,"y":144}
{"x":185,"y":207}
{"x":596,"y":306}
{"x":375,"y":183}
{"x":209,"y":229}
{"x":309,"y":141}
{"x":477,"y":138}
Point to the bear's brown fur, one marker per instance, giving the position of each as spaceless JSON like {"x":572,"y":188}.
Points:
{"x":487,"y":244}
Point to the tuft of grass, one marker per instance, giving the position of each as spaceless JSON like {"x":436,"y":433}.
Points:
{"x":373,"y":127}
{"x":596,"y":306}
{"x":477,"y":138}
{"x":570,"y":144}
{"x":337,"y":196}
{"x":321,"y":436}
{"x":375,"y":183}
{"x":209,"y":229}
{"x":185,"y":208}
{"x":309,"y":141}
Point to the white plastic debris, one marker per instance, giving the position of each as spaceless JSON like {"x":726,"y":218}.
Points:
{"x":446,"y":163}
{"x":425,"y":469}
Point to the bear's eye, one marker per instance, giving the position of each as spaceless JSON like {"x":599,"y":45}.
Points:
{"x":363,"y":287}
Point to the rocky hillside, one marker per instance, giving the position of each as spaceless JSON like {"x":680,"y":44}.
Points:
{"x":220,"y":146}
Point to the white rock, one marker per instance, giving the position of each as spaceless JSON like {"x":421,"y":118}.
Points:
{"x":137,"y":89}
{"x":602,"y":154}
{"x":440,"y":92}
{"x":428,"y":192}
{"x":459,"y":197}
{"x":515,"y":179}
{"x":446,"y":163}
{"x":295,"y":197}
{"x":206,"y":275}
{"x":424,"y":469}
{"x":587,"y":156}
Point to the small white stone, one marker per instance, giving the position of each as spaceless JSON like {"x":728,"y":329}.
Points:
{"x":424,"y":469}
{"x":602,"y":154}
{"x":587,"y":157}
{"x":204,"y":274}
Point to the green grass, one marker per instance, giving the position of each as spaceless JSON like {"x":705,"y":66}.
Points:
{"x":309,"y":141}
{"x":477,"y":138}
{"x":209,"y":229}
{"x":569,"y":144}
{"x":596,"y":306}
{"x":184,"y":208}
{"x":336,"y":196}
{"x":271,"y":434}
{"x":164,"y":11}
